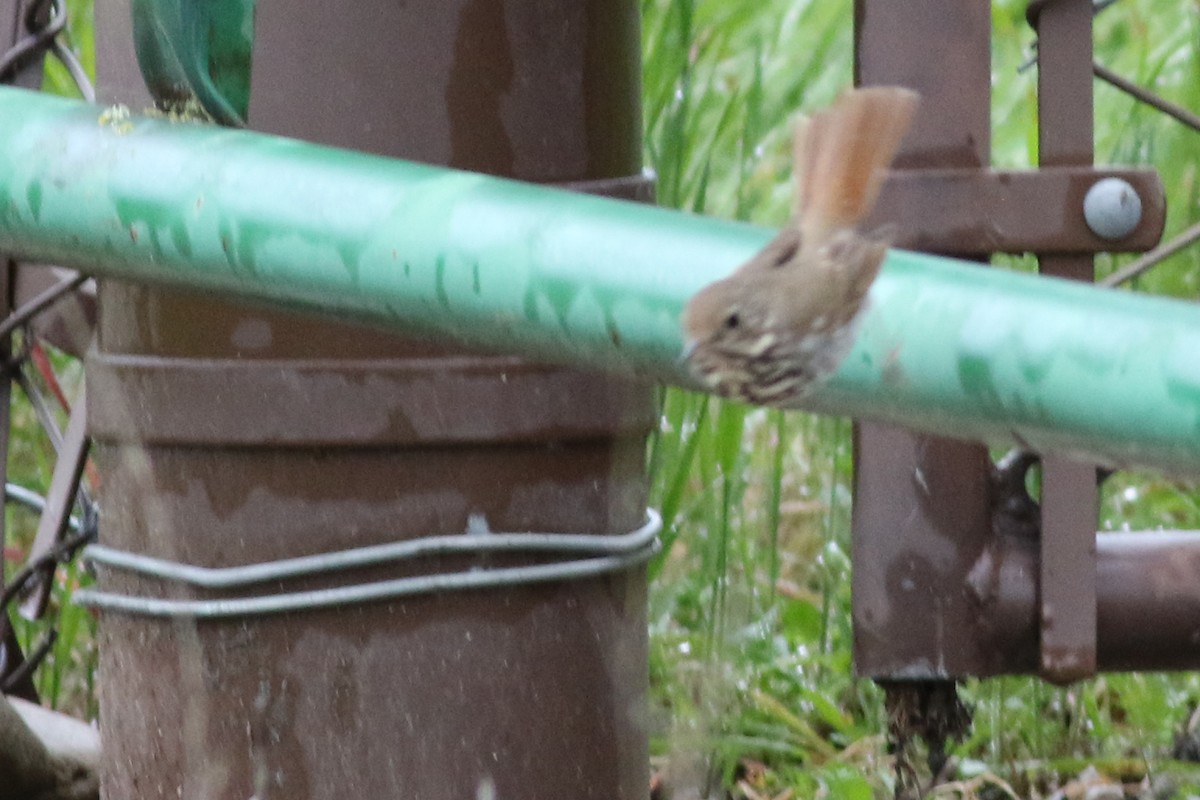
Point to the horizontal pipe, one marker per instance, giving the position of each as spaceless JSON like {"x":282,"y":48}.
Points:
{"x":1147,"y":602}
{"x":488,"y":263}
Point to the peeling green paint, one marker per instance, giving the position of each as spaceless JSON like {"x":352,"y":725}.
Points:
{"x":947,"y":347}
{"x":439,"y":277}
{"x":33,"y":196}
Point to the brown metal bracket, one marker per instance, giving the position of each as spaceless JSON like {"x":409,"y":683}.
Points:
{"x":1070,"y":497}
{"x":928,"y":554}
{"x":967,"y":211}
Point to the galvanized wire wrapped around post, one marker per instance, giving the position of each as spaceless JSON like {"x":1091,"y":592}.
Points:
{"x":593,"y":556}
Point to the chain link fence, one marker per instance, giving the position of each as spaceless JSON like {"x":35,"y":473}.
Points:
{"x":33,"y":297}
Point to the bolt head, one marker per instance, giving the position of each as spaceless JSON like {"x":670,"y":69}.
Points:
{"x":1112,"y":208}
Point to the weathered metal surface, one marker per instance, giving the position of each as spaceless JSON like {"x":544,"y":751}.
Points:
{"x":1147,"y":607}
{"x":512,"y":400}
{"x":1069,"y":506}
{"x":958,"y":211}
{"x":1070,"y":498}
{"x":921,"y":514}
{"x":581,"y":280}
{"x":912,"y":551}
{"x":510,"y":686}
{"x":490,"y":82}
{"x":233,"y":434}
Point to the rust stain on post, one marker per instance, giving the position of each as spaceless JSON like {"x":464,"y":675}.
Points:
{"x":921,"y":502}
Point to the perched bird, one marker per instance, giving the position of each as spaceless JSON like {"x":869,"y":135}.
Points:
{"x":784,"y":320}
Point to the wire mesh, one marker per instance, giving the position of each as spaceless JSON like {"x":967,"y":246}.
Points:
{"x":45,"y":26}
{"x":41,"y":30}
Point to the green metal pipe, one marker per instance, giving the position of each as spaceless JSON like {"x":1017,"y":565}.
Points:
{"x":947,"y":347}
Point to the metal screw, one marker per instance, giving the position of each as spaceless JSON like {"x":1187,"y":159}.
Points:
{"x":1112,"y":208}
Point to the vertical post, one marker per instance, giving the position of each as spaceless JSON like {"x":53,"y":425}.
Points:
{"x":528,"y":691}
{"x":1069,"y":493}
{"x":921,"y":514}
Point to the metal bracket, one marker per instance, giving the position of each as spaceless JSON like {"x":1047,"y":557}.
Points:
{"x":967,"y":211}
{"x":1070,"y":497}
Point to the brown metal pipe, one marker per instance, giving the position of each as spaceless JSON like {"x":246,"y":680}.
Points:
{"x":1147,"y":601}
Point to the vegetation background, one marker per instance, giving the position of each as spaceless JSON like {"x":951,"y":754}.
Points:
{"x":752,"y":686}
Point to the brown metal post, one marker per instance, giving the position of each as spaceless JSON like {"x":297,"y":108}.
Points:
{"x":921,"y":514}
{"x":533,"y":692}
{"x":1069,"y":495}
{"x":926,"y":568}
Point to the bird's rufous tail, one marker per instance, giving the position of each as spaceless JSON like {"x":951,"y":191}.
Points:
{"x":841,"y":154}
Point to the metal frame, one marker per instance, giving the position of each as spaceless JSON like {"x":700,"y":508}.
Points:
{"x":987,"y":579}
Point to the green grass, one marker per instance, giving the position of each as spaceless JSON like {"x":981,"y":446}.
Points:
{"x":749,"y":632}
{"x":749,"y":607}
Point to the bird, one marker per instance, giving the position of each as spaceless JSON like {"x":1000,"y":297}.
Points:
{"x":782,"y":322}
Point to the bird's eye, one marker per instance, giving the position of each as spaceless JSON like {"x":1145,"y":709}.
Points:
{"x":733,"y":320}
{"x":786,"y":254}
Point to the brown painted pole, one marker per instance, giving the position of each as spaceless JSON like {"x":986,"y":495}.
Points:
{"x":1070,"y":498}
{"x":921,"y":502}
{"x":532,"y":692}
